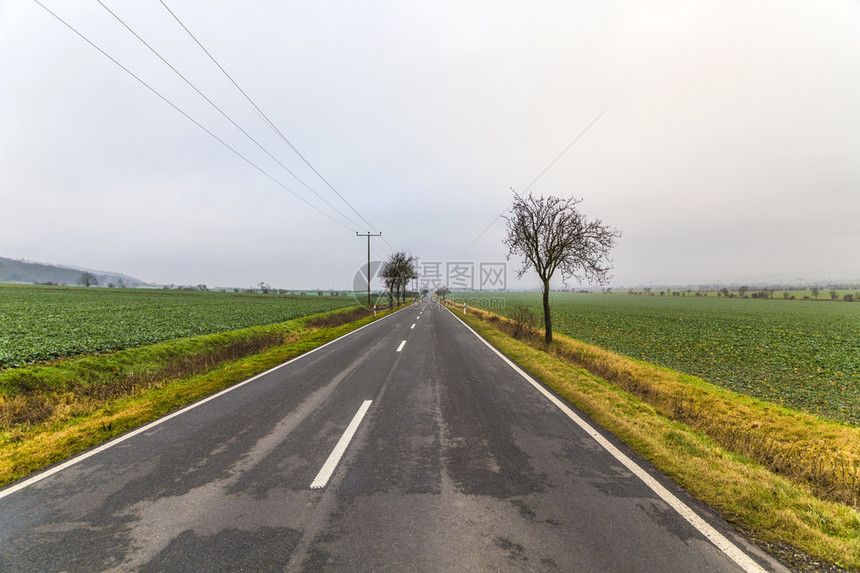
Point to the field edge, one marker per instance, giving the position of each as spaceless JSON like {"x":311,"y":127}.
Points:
{"x":44,"y":445}
{"x":777,"y":514}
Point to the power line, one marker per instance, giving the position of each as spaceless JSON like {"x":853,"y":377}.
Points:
{"x":219,"y":110}
{"x":571,"y":144}
{"x":267,"y":120}
{"x":194,"y":121}
{"x":541,"y":174}
{"x":368,"y":235}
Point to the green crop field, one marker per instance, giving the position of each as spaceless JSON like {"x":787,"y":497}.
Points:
{"x":804,"y":354}
{"x":44,"y":323}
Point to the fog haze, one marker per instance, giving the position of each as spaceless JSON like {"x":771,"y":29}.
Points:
{"x":727,"y":151}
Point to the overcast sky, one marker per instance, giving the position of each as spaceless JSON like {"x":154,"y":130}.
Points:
{"x":730,"y":149}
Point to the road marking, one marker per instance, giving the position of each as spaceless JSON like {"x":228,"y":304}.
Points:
{"x":81,"y":457}
{"x":411,"y":327}
{"x":399,"y":348}
{"x":339,"y":449}
{"x":714,"y":536}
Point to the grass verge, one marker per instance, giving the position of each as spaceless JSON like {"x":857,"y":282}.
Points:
{"x":51,"y":412}
{"x":773,"y":507}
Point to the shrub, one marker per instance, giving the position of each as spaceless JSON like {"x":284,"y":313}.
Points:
{"x":524,"y":322}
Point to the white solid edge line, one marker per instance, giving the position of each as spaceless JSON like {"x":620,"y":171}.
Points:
{"x":402,"y":344}
{"x":714,"y":536}
{"x":340,"y":448}
{"x":81,"y":457}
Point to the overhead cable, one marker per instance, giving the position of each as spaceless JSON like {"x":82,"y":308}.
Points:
{"x":219,"y":110}
{"x":541,"y":174}
{"x":194,"y":121}
{"x":267,"y":120}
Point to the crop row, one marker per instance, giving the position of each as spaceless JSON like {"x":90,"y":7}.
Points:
{"x":38,"y":324}
{"x":802,"y":354}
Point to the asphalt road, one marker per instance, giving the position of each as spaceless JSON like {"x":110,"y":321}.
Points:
{"x":455,"y":463}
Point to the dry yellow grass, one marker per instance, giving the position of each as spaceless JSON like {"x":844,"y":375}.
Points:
{"x":821,"y":453}
{"x":772,"y":506}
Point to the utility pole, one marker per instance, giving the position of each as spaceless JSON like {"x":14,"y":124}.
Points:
{"x":368,"y":235}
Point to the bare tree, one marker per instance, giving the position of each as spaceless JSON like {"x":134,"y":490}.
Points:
{"x":396,"y":273}
{"x":442,"y":292}
{"x":88,"y":279}
{"x":551,"y":234}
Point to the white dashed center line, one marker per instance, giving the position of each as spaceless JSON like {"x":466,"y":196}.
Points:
{"x":338,"y":451}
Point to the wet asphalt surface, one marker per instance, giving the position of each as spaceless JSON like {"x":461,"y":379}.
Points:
{"x":459,"y":465}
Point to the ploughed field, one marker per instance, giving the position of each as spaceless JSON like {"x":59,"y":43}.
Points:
{"x":45,"y":323}
{"x":804,"y":354}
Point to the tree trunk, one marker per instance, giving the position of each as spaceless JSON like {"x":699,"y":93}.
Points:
{"x":546,"y":317}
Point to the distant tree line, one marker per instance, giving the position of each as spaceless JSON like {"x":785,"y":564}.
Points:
{"x":743,"y":291}
{"x":259,"y":288}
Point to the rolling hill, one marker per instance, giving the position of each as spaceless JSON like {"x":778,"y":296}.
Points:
{"x":20,"y":271}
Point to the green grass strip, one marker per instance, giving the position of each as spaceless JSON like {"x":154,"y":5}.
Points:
{"x":26,"y":448}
